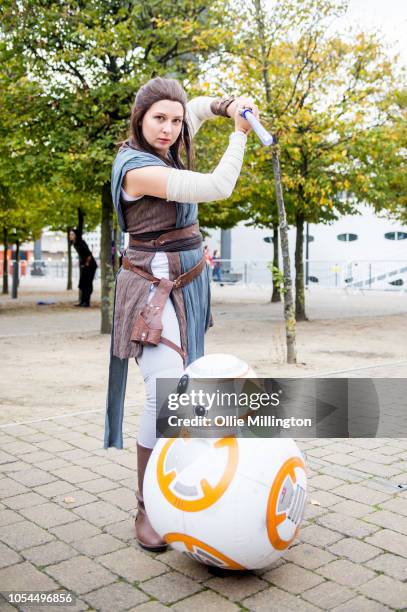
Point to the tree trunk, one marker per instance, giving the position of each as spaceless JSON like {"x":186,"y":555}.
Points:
{"x":106,"y":271}
{"x":289,"y":314}
{"x":14,"y":290}
{"x":260,"y":21}
{"x":275,"y":296}
{"x":5,"y":262}
{"x":79,"y":234}
{"x":69,"y":278}
{"x":299,"y":270}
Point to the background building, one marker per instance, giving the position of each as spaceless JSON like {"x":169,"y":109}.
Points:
{"x":355,"y":251}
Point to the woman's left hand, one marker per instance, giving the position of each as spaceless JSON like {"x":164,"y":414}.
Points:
{"x":243,"y":101}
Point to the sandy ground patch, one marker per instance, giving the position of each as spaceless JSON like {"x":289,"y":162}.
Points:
{"x":55,"y":361}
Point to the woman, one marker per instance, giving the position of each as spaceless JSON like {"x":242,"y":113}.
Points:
{"x":87,"y":265}
{"x":162,"y":300}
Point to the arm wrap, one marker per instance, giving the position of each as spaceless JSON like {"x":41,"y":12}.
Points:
{"x":203,"y":107}
{"x":220,"y":105}
{"x":187,"y":186}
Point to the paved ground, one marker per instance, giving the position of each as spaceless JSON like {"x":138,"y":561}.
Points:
{"x":66,"y":505}
{"x":66,"y":509}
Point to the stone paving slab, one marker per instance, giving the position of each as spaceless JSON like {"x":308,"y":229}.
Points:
{"x":118,"y":596}
{"x":27,"y":574}
{"x":80,"y":574}
{"x":66,"y":522}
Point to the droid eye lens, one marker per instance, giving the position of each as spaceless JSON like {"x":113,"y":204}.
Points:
{"x":199,"y":411}
{"x":183,"y":383}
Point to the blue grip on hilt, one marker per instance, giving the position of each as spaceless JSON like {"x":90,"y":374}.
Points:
{"x":265,"y":136}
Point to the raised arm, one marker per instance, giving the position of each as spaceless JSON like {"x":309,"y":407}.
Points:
{"x":189,"y":186}
{"x":186,"y":186}
{"x":204,"y":107}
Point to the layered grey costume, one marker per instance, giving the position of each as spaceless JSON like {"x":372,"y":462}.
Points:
{"x":191,"y":302}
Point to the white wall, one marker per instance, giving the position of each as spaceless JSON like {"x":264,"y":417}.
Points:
{"x":331,"y":260}
{"x":248,"y":243}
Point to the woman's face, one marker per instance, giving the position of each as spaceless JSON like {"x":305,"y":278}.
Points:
{"x":72,"y":236}
{"x":162,"y":124}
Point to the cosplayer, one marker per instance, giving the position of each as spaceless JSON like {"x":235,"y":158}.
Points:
{"x":162,"y":297}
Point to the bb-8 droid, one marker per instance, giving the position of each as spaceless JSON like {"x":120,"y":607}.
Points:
{"x":229,"y":502}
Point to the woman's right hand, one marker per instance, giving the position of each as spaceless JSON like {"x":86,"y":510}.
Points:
{"x":242,"y":124}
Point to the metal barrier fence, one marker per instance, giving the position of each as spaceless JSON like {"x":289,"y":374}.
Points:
{"x":379,"y":275}
{"x":356,"y":275}
{"x":52,"y":269}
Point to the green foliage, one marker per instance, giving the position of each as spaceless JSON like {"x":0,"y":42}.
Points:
{"x":329,"y":100}
{"x":277,"y":276}
{"x":383,"y":162}
{"x":72,"y":70}
{"x":69,"y":72}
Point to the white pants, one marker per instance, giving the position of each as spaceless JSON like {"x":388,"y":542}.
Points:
{"x":158,"y":361}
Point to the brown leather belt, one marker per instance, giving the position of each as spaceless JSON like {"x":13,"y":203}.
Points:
{"x":183,"y":238}
{"x":148,"y":325}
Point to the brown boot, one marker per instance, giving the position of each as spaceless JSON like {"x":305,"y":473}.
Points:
{"x":145,"y":534}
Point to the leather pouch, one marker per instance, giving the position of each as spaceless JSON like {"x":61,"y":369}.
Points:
{"x":148,"y":326}
{"x":144,"y":334}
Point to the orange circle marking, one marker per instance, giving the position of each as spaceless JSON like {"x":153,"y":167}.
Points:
{"x":273,"y":519}
{"x":191,"y":544}
{"x":210,"y":494}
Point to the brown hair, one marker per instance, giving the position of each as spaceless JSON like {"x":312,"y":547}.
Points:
{"x":153,"y":91}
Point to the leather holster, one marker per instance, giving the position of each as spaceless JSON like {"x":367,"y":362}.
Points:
{"x":147,"y":328}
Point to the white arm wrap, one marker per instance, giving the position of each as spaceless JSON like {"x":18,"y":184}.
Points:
{"x":198,"y":111}
{"x":187,"y":186}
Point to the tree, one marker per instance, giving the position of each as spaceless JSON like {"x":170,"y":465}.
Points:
{"x":63,"y":206}
{"x":287,"y":287}
{"x":19,"y":222}
{"x":324,"y":97}
{"x":90,"y":57}
{"x":20,"y":217}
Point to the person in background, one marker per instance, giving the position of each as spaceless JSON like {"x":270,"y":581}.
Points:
{"x":208,"y":257}
{"x":87,"y":264}
{"x":217,"y":268}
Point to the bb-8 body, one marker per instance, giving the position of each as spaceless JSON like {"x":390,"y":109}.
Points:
{"x":230,"y":502}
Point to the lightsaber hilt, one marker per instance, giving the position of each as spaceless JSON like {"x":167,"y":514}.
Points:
{"x":265,"y":136}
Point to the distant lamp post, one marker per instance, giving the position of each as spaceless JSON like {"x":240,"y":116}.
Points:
{"x":37,"y":268}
